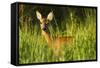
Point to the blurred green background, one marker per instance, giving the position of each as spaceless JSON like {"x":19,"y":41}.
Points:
{"x":68,"y":21}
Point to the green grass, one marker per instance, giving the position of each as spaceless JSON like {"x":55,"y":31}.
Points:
{"x":34,"y":49}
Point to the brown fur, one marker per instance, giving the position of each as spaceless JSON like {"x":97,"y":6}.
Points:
{"x":56,"y":43}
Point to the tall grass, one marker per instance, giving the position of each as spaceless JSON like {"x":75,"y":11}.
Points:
{"x":34,"y":49}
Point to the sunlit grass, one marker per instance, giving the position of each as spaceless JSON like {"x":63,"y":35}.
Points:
{"x":34,"y":49}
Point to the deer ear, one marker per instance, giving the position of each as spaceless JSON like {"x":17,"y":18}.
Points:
{"x":38,"y":14}
{"x":50,"y":16}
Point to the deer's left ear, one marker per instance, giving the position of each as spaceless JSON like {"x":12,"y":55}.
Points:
{"x":50,"y":16}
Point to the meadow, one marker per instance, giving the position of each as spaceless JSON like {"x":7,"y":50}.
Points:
{"x":34,"y":49}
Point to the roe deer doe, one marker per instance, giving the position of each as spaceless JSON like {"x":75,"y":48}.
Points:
{"x":55,"y":44}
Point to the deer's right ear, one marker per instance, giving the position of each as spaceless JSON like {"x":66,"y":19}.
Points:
{"x":50,"y":16}
{"x":38,"y":14}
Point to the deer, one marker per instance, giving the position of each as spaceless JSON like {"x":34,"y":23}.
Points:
{"x":54,"y":44}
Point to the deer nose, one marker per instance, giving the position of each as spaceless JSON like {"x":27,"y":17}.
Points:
{"x":45,"y":27}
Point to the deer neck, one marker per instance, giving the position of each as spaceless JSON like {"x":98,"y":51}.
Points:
{"x":47,"y":37}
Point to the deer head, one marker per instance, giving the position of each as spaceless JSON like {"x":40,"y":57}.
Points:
{"x":44,"y":21}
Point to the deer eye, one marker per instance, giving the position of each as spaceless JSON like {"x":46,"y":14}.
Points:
{"x":40,"y":23}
